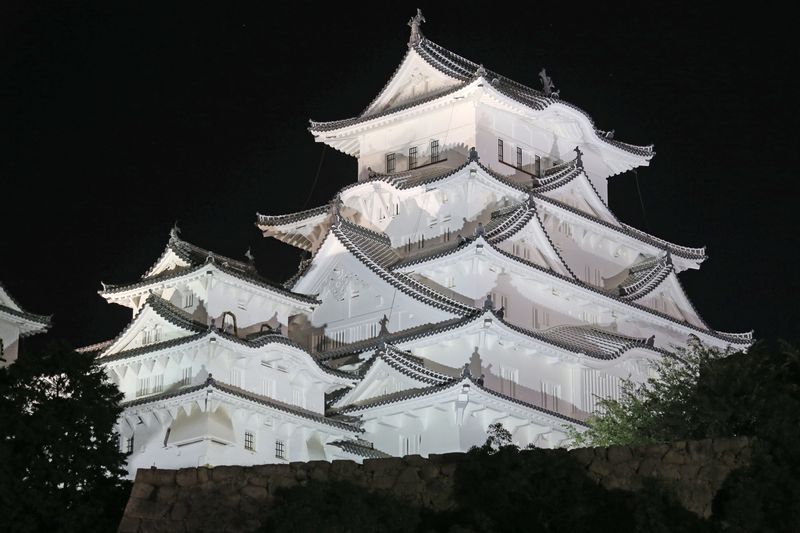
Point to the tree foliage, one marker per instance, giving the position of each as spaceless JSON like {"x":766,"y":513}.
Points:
{"x":60,"y":459}
{"x":703,"y":393}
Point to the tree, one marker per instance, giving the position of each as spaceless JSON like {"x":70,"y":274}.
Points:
{"x":704,"y":392}
{"x":60,"y":459}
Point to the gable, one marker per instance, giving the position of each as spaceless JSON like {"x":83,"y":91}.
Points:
{"x":414,"y":79}
{"x":169,"y":260}
{"x":670,"y":299}
{"x":148,"y":327}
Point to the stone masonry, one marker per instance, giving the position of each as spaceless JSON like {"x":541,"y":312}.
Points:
{"x":235,"y":498}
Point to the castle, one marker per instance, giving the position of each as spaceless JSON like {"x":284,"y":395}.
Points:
{"x":473,"y":273}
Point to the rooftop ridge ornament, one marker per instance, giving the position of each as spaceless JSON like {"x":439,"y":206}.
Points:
{"x":481,"y":71}
{"x":384,"y":330}
{"x":249,"y":255}
{"x":548,"y":88}
{"x":578,"y":160}
{"x":335,"y":209}
{"x":473,"y":155}
{"x":416,"y":33}
{"x":174,"y":232}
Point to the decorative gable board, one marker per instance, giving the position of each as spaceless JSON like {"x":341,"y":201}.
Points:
{"x":414,"y":79}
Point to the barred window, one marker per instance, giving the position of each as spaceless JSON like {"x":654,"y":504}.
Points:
{"x":412,"y":157}
{"x":389,"y":163}
{"x":249,"y":441}
{"x":129,"y":445}
{"x":519,"y":157}
{"x":500,"y":150}
{"x":434,"y":151}
{"x":280,"y":449}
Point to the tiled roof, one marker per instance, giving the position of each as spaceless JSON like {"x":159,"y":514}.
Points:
{"x":291,"y":218}
{"x":264,"y":340}
{"x":571,"y":338}
{"x":402,"y":396}
{"x":44,"y":320}
{"x":200,"y":261}
{"x":409,"y":365}
{"x":375,"y":253}
{"x":371,"y":344}
{"x":644,"y":277}
{"x":212,"y":384}
{"x":466,"y":71}
{"x":361,"y":448}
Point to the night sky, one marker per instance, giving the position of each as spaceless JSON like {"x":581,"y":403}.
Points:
{"x":117,"y":119}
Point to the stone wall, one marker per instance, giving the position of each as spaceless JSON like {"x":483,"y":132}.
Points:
{"x":235,"y":498}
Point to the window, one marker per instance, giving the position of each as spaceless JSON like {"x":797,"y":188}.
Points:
{"x":268,"y":387}
{"x":537,"y":165}
{"x":249,"y":441}
{"x":412,"y":157}
{"x":519,"y":157}
{"x":551,"y":394}
{"x":298,"y":398}
{"x":142,"y":386}
{"x":237,"y":377}
{"x":396,"y":209}
{"x":186,"y":376}
{"x":509,"y":377}
{"x":354,"y":293}
{"x":188,"y":299}
{"x":504,"y":302}
{"x":500,"y":150}
{"x":541,"y":318}
{"x":435,"y":151}
{"x":390,"y":163}
{"x":280,"y":449}
{"x":128,"y":445}
{"x":157,"y":383}
{"x":410,"y":445}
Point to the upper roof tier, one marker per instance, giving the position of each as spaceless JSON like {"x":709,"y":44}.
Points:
{"x":28,"y":323}
{"x":430,"y":77}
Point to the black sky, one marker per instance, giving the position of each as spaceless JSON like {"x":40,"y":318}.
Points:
{"x":117,"y":119}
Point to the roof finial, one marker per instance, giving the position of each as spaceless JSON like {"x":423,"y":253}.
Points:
{"x":473,"y":154}
{"x":174,"y":232}
{"x":488,"y":304}
{"x":481,"y":71}
{"x":578,"y":160}
{"x":384,"y":322}
{"x":415,"y":22}
{"x":548,"y":88}
{"x":335,"y":211}
{"x":249,"y":255}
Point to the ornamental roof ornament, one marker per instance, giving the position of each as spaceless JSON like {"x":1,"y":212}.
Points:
{"x":384,"y":330}
{"x":335,"y":210}
{"x":416,"y":33}
{"x":473,"y":154}
{"x":578,"y":160}
{"x":548,"y":87}
{"x":174,"y":232}
{"x":481,"y":71}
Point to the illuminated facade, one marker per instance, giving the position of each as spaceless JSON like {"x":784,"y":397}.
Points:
{"x":471,"y":274}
